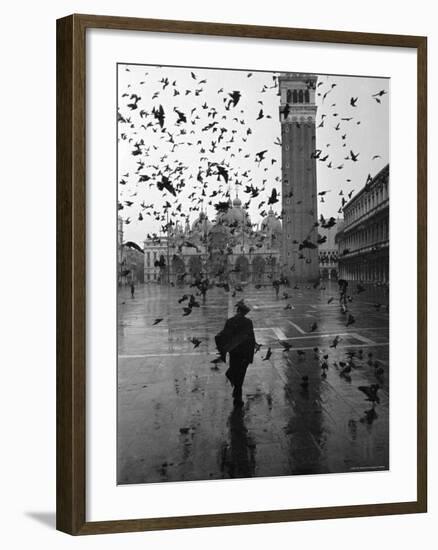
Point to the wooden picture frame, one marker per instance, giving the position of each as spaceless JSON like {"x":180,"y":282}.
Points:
{"x":71,"y":273}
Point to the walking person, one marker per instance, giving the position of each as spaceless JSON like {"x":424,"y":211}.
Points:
{"x":343,"y":285}
{"x":276,"y":285}
{"x":237,"y":338}
{"x":203,"y":287}
{"x":132,"y":289}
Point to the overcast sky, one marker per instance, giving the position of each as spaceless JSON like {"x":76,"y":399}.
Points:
{"x":182,"y":150}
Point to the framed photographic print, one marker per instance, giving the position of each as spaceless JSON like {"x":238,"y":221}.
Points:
{"x":241,"y":274}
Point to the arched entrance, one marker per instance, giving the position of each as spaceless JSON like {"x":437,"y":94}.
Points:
{"x":195,"y":268}
{"x":218,"y":267}
{"x":178,"y":269}
{"x":242,"y":268}
{"x":163,"y":273}
{"x":258,"y":269}
{"x":272,"y":268}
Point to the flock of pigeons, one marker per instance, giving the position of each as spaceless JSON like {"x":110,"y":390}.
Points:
{"x":192,"y":155}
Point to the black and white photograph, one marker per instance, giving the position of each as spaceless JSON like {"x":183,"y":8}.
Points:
{"x":216,"y":319}
{"x":252,"y":234}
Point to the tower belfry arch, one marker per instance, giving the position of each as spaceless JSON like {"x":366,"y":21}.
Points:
{"x":299,"y":190}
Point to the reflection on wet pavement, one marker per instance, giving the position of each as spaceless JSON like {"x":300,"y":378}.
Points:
{"x":175,"y":414}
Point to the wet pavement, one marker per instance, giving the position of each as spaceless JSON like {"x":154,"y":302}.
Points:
{"x":176,"y":419}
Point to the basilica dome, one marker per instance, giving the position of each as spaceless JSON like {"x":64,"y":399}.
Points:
{"x":237,"y":203}
{"x":271,"y":224}
{"x":201,"y":224}
{"x":235,"y":215}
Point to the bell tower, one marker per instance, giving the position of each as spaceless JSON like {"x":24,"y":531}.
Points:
{"x":299,"y":192}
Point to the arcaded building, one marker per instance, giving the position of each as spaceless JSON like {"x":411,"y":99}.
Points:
{"x":363,"y":241}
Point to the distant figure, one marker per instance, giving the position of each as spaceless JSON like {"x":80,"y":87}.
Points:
{"x":203,"y":287}
{"x":276,"y":285}
{"x":237,"y":338}
{"x":343,"y":285}
{"x":132,"y":289}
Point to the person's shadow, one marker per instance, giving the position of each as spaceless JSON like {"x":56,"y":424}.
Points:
{"x":238,"y":455}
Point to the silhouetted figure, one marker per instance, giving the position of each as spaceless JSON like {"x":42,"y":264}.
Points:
{"x":237,"y":338}
{"x":203,"y":287}
{"x":132,"y":289}
{"x":276,"y":285}
{"x":343,"y":285}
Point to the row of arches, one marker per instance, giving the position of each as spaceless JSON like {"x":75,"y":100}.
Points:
{"x":328,"y":257}
{"x":298,"y":96}
{"x":220,"y":267}
{"x":373,"y":270}
{"x":330,"y":274}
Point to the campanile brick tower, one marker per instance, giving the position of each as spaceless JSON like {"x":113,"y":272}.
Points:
{"x":299,"y":192}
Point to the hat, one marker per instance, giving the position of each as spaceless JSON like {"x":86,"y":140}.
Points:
{"x":242,"y":307}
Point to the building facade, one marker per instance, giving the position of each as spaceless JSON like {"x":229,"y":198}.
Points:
{"x":228,"y":249}
{"x":133,"y":262}
{"x":328,"y":251}
{"x":129,"y":261}
{"x":363,"y":241}
{"x":155,"y":250}
{"x":299,"y":192}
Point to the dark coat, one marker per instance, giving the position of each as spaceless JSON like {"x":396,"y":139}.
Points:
{"x":343,"y":284}
{"x":237,"y":338}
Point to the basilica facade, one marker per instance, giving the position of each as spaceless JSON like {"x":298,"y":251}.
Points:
{"x":229,"y":249}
